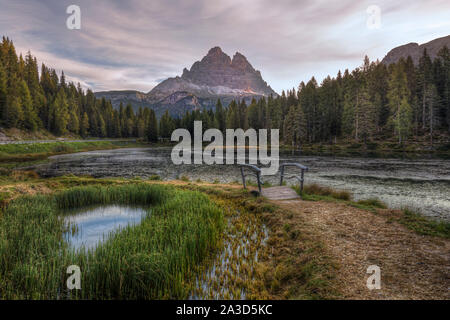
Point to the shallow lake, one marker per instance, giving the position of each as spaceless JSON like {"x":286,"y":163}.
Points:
{"x":94,"y":224}
{"x":420,"y":184}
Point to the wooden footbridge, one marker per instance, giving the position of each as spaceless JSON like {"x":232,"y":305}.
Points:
{"x":279,"y":192}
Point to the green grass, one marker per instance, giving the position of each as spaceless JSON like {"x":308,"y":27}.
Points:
{"x":423,"y":225}
{"x":36,"y":151}
{"x":315,"y":192}
{"x":156,"y":259}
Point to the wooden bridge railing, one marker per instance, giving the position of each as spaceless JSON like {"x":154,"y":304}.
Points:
{"x":255,"y":171}
{"x":299,"y":178}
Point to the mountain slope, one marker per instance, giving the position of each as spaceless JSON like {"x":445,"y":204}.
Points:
{"x":216,"y":76}
{"x":415,"y":50}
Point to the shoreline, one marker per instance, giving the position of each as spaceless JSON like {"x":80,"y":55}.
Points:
{"x":322,"y":237}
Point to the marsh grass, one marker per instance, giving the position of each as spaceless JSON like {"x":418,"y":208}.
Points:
{"x":159,"y":258}
{"x":423,"y":225}
{"x":315,"y":191}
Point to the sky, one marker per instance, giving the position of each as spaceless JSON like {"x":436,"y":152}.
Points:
{"x":135,"y":44}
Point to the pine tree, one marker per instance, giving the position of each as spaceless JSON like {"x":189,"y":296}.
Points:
{"x":432,"y":109}
{"x":166,"y":125}
{"x":233,"y":118}
{"x":13,"y":114}
{"x":84,"y":128}
{"x":253,"y":115}
{"x":398,"y":95}
{"x":60,"y":115}
{"x":243,"y":118}
{"x":367,"y":115}
{"x":3,"y":93}
{"x":425,"y":78}
{"x":294,"y":128}
{"x":444,"y":56}
{"x":152,"y":128}
{"x":220,"y":117}
{"x":74,"y":123}
{"x":30,"y":118}
{"x":102,"y":127}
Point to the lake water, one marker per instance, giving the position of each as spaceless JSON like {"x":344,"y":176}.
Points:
{"x":95,"y":224}
{"x":419,"y":184}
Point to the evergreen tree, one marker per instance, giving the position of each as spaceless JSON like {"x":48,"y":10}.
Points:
{"x":60,"y":113}
{"x":84,"y":128}
{"x":398,"y":95}
{"x":220,"y":117}
{"x":367,"y":115}
{"x":233,"y":117}
{"x":425,"y":79}
{"x":3,"y":93}
{"x":30,"y":118}
{"x":166,"y":125}
{"x":432,"y":109}
{"x":152,"y":128}
{"x":444,"y":56}
{"x":13,"y":113}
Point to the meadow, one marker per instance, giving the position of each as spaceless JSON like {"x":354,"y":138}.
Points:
{"x":156,"y":259}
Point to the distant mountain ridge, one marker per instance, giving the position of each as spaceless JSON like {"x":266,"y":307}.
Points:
{"x":415,"y":50}
{"x":216,"y":76}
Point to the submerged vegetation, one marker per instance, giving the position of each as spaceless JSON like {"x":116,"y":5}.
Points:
{"x":155,"y":259}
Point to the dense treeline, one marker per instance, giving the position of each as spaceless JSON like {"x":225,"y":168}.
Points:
{"x":31,"y":100}
{"x":373,"y":102}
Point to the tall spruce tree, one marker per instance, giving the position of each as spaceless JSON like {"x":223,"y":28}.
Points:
{"x":30,"y":118}
{"x":398,"y":95}
{"x":152,"y":128}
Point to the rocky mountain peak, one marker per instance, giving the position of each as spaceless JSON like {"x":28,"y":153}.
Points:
{"x":216,"y":56}
{"x":416,"y":51}
{"x":240,"y":62}
{"x":217,"y":69}
{"x":215,"y":76}
{"x":215,"y":51}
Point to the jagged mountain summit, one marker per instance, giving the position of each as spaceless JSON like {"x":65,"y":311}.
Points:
{"x":216,"y":76}
{"x":415,"y":50}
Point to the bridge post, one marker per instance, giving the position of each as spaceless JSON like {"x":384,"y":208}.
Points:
{"x":243,"y":177}
{"x":258,"y":175}
{"x":282,"y":175}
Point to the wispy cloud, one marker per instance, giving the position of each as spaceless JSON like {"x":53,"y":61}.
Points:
{"x":134,"y":44}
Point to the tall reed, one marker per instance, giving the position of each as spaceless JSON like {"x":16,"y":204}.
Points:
{"x":156,"y":259}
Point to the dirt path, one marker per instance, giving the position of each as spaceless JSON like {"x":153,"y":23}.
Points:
{"x":412,"y":266}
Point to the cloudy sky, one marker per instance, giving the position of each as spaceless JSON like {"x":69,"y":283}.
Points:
{"x":135,"y":44}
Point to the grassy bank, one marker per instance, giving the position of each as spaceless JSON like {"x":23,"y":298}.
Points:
{"x":265,"y":252}
{"x":259,"y":248}
{"x":38,"y":151}
{"x":158,"y":258}
{"x":407,"y":217}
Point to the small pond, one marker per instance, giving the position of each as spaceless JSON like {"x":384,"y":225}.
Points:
{"x":91,"y":225}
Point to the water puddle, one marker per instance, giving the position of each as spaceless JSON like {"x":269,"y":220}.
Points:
{"x":233,"y":269}
{"x":91,"y":225}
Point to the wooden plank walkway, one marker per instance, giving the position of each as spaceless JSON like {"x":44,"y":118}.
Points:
{"x":279,"y":193}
